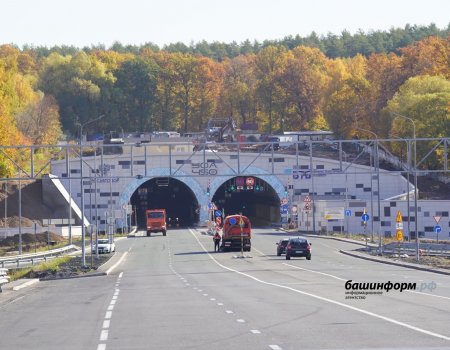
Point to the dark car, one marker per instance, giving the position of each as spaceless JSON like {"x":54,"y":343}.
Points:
{"x":298,"y":247}
{"x":281,"y":246}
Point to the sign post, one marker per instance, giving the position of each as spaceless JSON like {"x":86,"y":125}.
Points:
{"x":399,"y":229}
{"x":364,"y":218}
{"x":306,"y":209}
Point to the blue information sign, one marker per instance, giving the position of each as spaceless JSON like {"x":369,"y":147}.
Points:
{"x":218,"y":213}
{"x":348,"y":212}
{"x":365,"y":217}
{"x":437,"y":229}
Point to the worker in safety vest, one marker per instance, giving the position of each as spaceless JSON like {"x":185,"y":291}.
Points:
{"x":216,"y":239}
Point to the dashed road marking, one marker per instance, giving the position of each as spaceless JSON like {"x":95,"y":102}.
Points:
{"x":106,"y":323}
{"x":104,"y":335}
{"x":255,"y":331}
{"x":275,"y":347}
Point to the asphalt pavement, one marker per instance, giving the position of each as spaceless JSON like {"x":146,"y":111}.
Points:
{"x":175,"y":292}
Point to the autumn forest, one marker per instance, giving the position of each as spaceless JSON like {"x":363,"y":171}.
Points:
{"x":334,"y":83}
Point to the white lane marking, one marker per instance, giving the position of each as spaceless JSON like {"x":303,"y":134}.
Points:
{"x":113,"y":302}
{"x":275,"y":347}
{"x":101,"y":347}
{"x":116,"y":264}
{"x":104,"y":335}
{"x":212,"y":299}
{"x":106,"y":323}
{"x":205,"y":295}
{"x":220,"y":304}
{"x":428,"y":294}
{"x":260,"y":252}
{"x":108,"y":315}
{"x":110,"y":308}
{"x":240,"y":320}
{"x":229,"y":312}
{"x":121,"y":274}
{"x":342,"y":279}
{"x":384,"y":318}
{"x":255,"y":331}
{"x":26,"y":284}
{"x":320,"y":273}
{"x":114,"y":297}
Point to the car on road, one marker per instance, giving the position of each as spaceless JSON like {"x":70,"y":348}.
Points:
{"x":298,"y":247}
{"x":281,"y":246}
{"x":105,"y":246}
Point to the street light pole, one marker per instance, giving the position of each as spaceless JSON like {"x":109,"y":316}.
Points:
{"x":377,"y":167}
{"x":83,"y":231}
{"x":415,"y":181}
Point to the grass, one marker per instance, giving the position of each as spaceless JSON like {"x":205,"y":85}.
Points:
{"x":52,"y":266}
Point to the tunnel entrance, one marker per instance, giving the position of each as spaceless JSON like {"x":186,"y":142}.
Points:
{"x":166,"y":193}
{"x":252,"y":196}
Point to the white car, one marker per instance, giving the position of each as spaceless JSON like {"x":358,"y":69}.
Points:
{"x":105,"y":246}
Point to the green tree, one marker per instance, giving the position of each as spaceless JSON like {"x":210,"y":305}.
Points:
{"x":136,"y":93}
{"x":424,"y":99}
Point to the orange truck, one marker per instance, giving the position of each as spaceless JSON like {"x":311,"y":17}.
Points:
{"x":156,"y":221}
{"x":237,"y":230}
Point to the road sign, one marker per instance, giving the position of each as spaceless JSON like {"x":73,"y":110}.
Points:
{"x":437,"y":229}
{"x":307,"y":207}
{"x":294,"y":209}
{"x":218,"y":220}
{"x":399,"y":225}
{"x":399,"y":216}
{"x":399,"y":235}
{"x":284,"y":201}
{"x":365,"y":217}
{"x":307,"y":199}
{"x":284,"y":209}
{"x":437,"y":219}
{"x":334,"y":213}
{"x":218,"y":213}
{"x":348,"y":212}
{"x":233,"y":221}
{"x":250,"y":181}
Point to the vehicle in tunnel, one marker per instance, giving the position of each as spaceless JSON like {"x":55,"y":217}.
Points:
{"x":156,"y":221}
{"x":167,"y":193}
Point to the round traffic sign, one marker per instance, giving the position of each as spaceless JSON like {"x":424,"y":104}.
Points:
{"x":365,"y":217}
{"x":437,"y":228}
{"x":233,"y":221}
{"x":399,"y":235}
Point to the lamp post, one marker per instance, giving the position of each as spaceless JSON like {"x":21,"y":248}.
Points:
{"x":408,"y":161}
{"x":377,"y":167}
{"x":83,"y":232}
{"x":396,"y":115}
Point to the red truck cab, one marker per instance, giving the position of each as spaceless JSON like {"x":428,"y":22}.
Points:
{"x":156,"y":221}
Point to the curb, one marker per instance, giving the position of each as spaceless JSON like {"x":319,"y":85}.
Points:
{"x":346,"y":240}
{"x":395,"y":263}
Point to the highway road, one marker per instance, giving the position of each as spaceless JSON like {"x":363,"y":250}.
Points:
{"x":174,"y":292}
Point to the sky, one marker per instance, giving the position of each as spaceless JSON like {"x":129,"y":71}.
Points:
{"x":91,"y":22}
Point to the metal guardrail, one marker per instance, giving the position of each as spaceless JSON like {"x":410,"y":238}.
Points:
{"x":18,"y":259}
{"x":430,"y":249}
